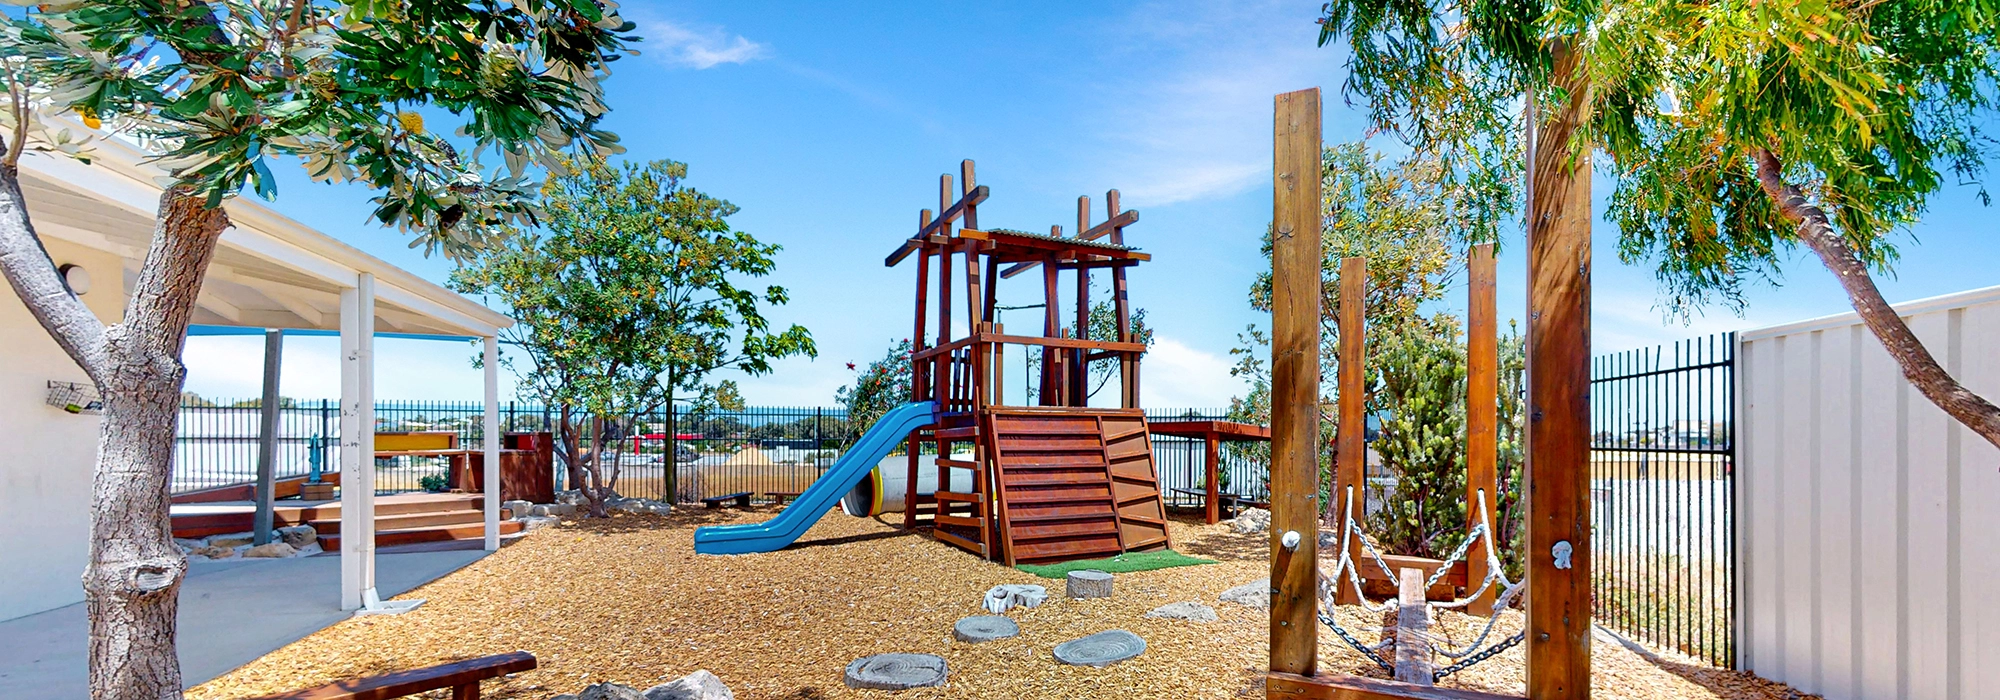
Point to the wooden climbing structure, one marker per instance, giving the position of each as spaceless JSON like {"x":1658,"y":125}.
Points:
{"x":1054,"y":480}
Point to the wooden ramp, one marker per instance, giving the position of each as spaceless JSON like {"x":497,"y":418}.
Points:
{"x":1073,"y":483}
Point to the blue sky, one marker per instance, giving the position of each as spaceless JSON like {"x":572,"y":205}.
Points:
{"x":830,"y":128}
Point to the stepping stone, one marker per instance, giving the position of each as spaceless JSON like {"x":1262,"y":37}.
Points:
{"x":896,"y":671}
{"x":984,"y":628}
{"x":1190,"y":610}
{"x":1255,"y":594}
{"x":1101,"y":649}
{"x":1089,"y":583}
{"x":1008,"y":595}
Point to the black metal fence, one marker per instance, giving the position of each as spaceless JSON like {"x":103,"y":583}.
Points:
{"x":1662,"y":477}
{"x":760,"y":450}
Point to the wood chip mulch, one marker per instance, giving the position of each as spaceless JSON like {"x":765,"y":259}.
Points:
{"x":628,"y":600}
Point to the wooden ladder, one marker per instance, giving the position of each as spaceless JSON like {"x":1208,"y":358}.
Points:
{"x":970,"y":528}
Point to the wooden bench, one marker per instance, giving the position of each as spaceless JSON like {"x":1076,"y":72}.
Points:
{"x":780,"y":497}
{"x":742,"y":499}
{"x":462,"y":678}
{"x":1229,"y":503}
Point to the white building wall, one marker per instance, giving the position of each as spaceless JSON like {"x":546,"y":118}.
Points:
{"x":1869,"y":536}
{"x":46,"y":454}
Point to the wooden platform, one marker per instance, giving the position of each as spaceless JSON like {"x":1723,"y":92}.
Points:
{"x":1073,"y":483}
{"x":399,"y":519}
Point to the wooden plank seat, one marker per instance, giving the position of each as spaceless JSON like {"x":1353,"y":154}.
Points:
{"x":1230,"y":503}
{"x":741,"y":499}
{"x":781,"y":497}
{"x":461,"y":677}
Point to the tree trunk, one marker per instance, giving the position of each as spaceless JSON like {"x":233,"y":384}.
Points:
{"x":593,"y":491}
{"x":672,"y":466}
{"x":133,"y":581}
{"x":1919,"y":367}
{"x":572,"y":451}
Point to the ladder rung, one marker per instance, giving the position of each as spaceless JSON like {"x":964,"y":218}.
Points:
{"x":957,"y":464}
{"x":969,"y":432}
{"x":960,"y":521}
{"x":956,"y":497}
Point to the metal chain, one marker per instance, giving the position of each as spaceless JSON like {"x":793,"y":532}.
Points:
{"x":1506,"y":600}
{"x":1469,"y":661}
{"x":1365,"y":650}
{"x":1457,"y":554}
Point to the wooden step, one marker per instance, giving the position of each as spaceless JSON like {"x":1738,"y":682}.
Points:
{"x":440,"y":533}
{"x":970,"y":432}
{"x":406,"y":521}
{"x":956,"y":497}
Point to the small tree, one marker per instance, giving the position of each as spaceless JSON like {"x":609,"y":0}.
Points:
{"x":218,"y":89}
{"x":883,"y":385}
{"x":627,"y":299}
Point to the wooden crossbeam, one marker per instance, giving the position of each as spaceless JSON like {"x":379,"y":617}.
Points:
{"x":1123,"y":219}
{"x":937,"y":225}
{"x":1292,"y":685}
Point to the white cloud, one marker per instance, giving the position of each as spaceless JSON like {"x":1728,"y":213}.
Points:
{"x":694,"y":47}
{"x":1174,"y":375}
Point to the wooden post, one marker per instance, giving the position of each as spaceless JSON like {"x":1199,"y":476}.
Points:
{"x":1350,"y":456}
{"x":1079,"y":380}
{"x":270,"y":422}
{"x":944,"y":271}
{"x":1214,"y":472}
{"x":1295,"y":311}
{"x":1051,"y":325}
{"x":1482,"y":415}
{"x":1413,"y":629}
{"x":975,"y":295}
{"x":918,"y":387}
{"x":1128,"y":363}
{"x":1558,"y":439}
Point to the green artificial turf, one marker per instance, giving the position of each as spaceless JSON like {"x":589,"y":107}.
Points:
{"x":1131,"y":561}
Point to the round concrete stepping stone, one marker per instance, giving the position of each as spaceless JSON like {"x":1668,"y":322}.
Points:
{"x":896,"y":671}
{"x":1089,"y":583}
{"x":1101,"y":649}
{"x":1189,"y":610}
{"x":984,"y":628}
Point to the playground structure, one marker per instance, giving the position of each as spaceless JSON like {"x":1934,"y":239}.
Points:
{"x":1557,"y":586}
{"x":1055,"y":481}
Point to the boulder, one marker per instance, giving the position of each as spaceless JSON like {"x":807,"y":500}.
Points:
{"x":1251,"y":520}
{"x":1189,"y":610}
{"x":1088,"y":583}
{"x":609,"y":691}
{"x":531,"y":523}
{"x":1101,"y":649}
{"x":1255,"y":594}
{"x":896,"y":671}
{"x":188,"y":545}
{"x":549,"y":510}
{"x":298,"y":536}
{"x":571,"y":497}
{"x":700,"y":685}
{"x":270,"y":550}
{"x":213,"y":552}
{"x":231,"y":541}
{"x":984,"y":628}
{"x":1010,"y":595}
{"x":516,"y":509}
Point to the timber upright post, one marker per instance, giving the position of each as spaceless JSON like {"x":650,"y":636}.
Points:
{"x":1295,"y":313}
{"x":919,"y":390}
{"x":1482,"y":417}
{"x":1350,"y":458}
{"x":1558,"y":434}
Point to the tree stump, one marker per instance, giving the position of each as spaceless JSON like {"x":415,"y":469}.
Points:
{"x":984,"y":628}
{"x":896,"y":671}
{"x":1101,"y":649}
{"x":1089,"y":583}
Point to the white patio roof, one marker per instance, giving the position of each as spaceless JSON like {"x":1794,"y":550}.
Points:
{"x":269,"y":271}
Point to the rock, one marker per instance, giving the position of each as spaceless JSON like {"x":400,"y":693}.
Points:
{"x":1088,"y":583}
{"x":1251,"y":520}
{"x":189,"y":545}
{"x":298,"y":536}
{"x":896,"y":671}
{"x":610,"y":691}
{"x":270,"y":550}
{"x":1329,"y":541}
{"x":984,"y":628}
{"x":213,"y":552}
{"x":1190,"y":610}
{"x":1256,"y":594}
{"x":231,"y":541}
{"x":641,"y":505}
{"x":547,"y":510}
{"x":1008,"y":595}
{"x":531,"y":523}
{"x":700,"y":685}
{"x":516,"y":509}
{"x":571,"y":497}
{"x":1101,"y":649}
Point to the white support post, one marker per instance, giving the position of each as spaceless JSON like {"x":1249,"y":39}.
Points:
{"x":357,"y":453}
{"x":492,"y":431}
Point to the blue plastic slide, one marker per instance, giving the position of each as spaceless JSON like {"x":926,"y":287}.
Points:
{"x":776,"y":533}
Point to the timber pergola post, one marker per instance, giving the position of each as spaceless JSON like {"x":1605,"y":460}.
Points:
{"x":1295,"y":314}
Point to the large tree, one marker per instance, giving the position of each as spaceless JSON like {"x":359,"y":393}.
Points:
{"x":1737,"y":132}
{"x":221,"y":90}
{"x":627,"y":296}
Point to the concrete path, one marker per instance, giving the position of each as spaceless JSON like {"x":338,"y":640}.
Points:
{"x":231,"y":613}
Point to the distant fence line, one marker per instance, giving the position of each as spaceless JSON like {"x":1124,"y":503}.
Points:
{"x":758,"y":449}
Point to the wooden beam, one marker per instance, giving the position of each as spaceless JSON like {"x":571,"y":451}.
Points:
{"x":1212,"y":464}
{"x":918,"y":386}
{"x":1079,"y":380}
{"x":947,"y":214}
{"x":1482,"y":415}
{"x":1350,"y":478}
{"x":1558,"y":439}
{"x":1128,"y":366}
{"x":1115,"y":223}
{"x":1291,"y":685}
{"x":975,"y":292}
{"x":1413,"y":629}
{"x":1051,"y":325}
{"x":1295,"y":310}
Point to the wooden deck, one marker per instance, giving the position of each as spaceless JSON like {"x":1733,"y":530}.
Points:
{"x":399,"y":519}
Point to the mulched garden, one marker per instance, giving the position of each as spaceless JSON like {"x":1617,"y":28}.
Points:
{"x":627,"y":600}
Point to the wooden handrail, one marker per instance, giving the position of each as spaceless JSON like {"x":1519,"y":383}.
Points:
{"x":461,"y":677}
{"x":1106,"y":345}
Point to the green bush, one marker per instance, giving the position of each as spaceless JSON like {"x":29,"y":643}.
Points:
{"x":433,"y":483}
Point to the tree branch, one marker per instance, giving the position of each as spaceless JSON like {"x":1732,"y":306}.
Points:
{"x":32,"y":273}
{"x":1919,"y":367}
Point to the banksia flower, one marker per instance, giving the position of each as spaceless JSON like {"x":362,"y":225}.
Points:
{"x":411,"y":121}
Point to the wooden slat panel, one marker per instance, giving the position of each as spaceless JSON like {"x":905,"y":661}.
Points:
{"x":1064,"y":528}
{"x":1019,"y":479}
{"x":1055,"y":511}
{"x":1052,"y":460}
{"x":1028,"y":495}
{"x":1060,"y":550}
{"x":1078,"y":442}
